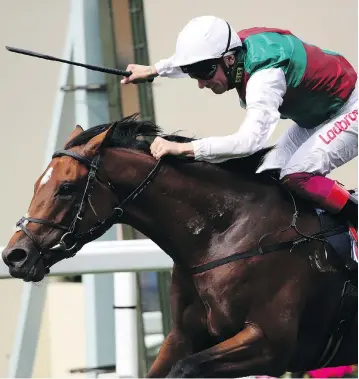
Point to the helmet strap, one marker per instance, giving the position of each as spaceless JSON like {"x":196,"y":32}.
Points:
{"x":234,"y":73}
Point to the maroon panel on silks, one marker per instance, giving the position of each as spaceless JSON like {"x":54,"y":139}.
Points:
{"x":337,"y":74}
{"x":243,"y":34}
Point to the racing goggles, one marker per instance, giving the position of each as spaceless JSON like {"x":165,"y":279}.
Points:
{"x":204,"y":70}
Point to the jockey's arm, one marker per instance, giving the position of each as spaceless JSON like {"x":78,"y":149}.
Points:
{"x":164,"y":67}
{"x":264,"y":95}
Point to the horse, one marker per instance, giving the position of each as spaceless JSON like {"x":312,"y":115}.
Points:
{"x":254,"y":288}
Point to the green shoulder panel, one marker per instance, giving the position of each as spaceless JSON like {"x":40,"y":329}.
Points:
{"x":273,"y":50}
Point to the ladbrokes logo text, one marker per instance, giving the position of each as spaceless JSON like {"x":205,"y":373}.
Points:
{"x":339,"y":127}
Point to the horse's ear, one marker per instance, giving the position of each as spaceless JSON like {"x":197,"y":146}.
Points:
{"x":78,"y":130}
{"x":93,"y":146}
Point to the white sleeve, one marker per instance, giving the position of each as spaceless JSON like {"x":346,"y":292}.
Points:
{"x":166,"y":68}
{"x":264,"y":95}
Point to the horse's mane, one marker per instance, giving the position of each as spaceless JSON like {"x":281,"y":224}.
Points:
{"x":126,"y":132}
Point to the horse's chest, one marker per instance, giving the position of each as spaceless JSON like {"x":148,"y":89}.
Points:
{"x":205,"y":317}
{"x":219,"y":321}
{"x":224,"y":315}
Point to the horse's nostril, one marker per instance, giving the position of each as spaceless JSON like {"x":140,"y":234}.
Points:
{"x":16,"y":255}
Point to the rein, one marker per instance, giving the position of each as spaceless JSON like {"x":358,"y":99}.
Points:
{"x":72,"y":241}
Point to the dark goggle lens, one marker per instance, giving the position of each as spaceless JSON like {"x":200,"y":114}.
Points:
{"x":202,"y":70}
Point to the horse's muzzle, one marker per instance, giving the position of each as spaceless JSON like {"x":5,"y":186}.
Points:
{"x":22,"y":265}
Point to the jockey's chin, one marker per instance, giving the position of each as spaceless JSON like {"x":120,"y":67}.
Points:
{"x":216,"y":86}
{"x":219,"y":83}
{"x":219,"y":88}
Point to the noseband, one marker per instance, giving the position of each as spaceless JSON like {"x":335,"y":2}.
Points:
{"x":72,"y":241}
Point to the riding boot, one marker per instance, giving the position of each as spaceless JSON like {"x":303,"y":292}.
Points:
{"x":327,"y":193}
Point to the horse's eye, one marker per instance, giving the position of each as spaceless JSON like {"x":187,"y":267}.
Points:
{"x":66,"y":189}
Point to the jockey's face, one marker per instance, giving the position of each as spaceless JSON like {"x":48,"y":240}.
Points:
{"x":218,"y":84}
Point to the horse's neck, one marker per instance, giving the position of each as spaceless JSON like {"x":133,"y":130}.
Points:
{"x":187,"y":208}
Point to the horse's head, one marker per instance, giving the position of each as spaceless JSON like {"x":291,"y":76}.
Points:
{"x":61,"y":217}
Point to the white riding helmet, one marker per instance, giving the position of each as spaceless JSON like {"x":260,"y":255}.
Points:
{"x":203,"y":38}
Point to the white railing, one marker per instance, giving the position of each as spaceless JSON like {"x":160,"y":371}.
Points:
{"x":110,"y":256}
{"x":123,"y":258}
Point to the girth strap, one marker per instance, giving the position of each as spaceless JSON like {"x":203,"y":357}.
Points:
{"x":255,"y":251}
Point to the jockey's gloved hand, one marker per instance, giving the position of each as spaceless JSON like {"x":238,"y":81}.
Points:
{"x":140,"y":74}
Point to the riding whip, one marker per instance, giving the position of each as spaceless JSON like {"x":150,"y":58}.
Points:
{"x":106,"y":70}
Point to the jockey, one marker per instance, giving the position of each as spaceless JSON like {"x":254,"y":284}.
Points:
{"x":276,"y":76}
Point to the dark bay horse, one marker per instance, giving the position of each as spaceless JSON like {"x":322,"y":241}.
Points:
{"x":238,"y":308}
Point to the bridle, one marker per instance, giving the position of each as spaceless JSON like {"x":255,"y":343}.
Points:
{"x":72,"y":241}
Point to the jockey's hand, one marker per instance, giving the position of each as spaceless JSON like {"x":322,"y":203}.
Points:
{"x":161,"y":147}
{"x":140,"y":73}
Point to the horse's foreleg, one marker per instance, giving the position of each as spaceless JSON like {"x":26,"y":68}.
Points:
{"x":174,"y":348}
{"x":247,"y":353}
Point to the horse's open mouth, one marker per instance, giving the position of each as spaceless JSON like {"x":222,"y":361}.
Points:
{"x":35,"y":274}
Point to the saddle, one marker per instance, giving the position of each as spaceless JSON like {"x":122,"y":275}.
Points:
{"x":345,"y":244}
